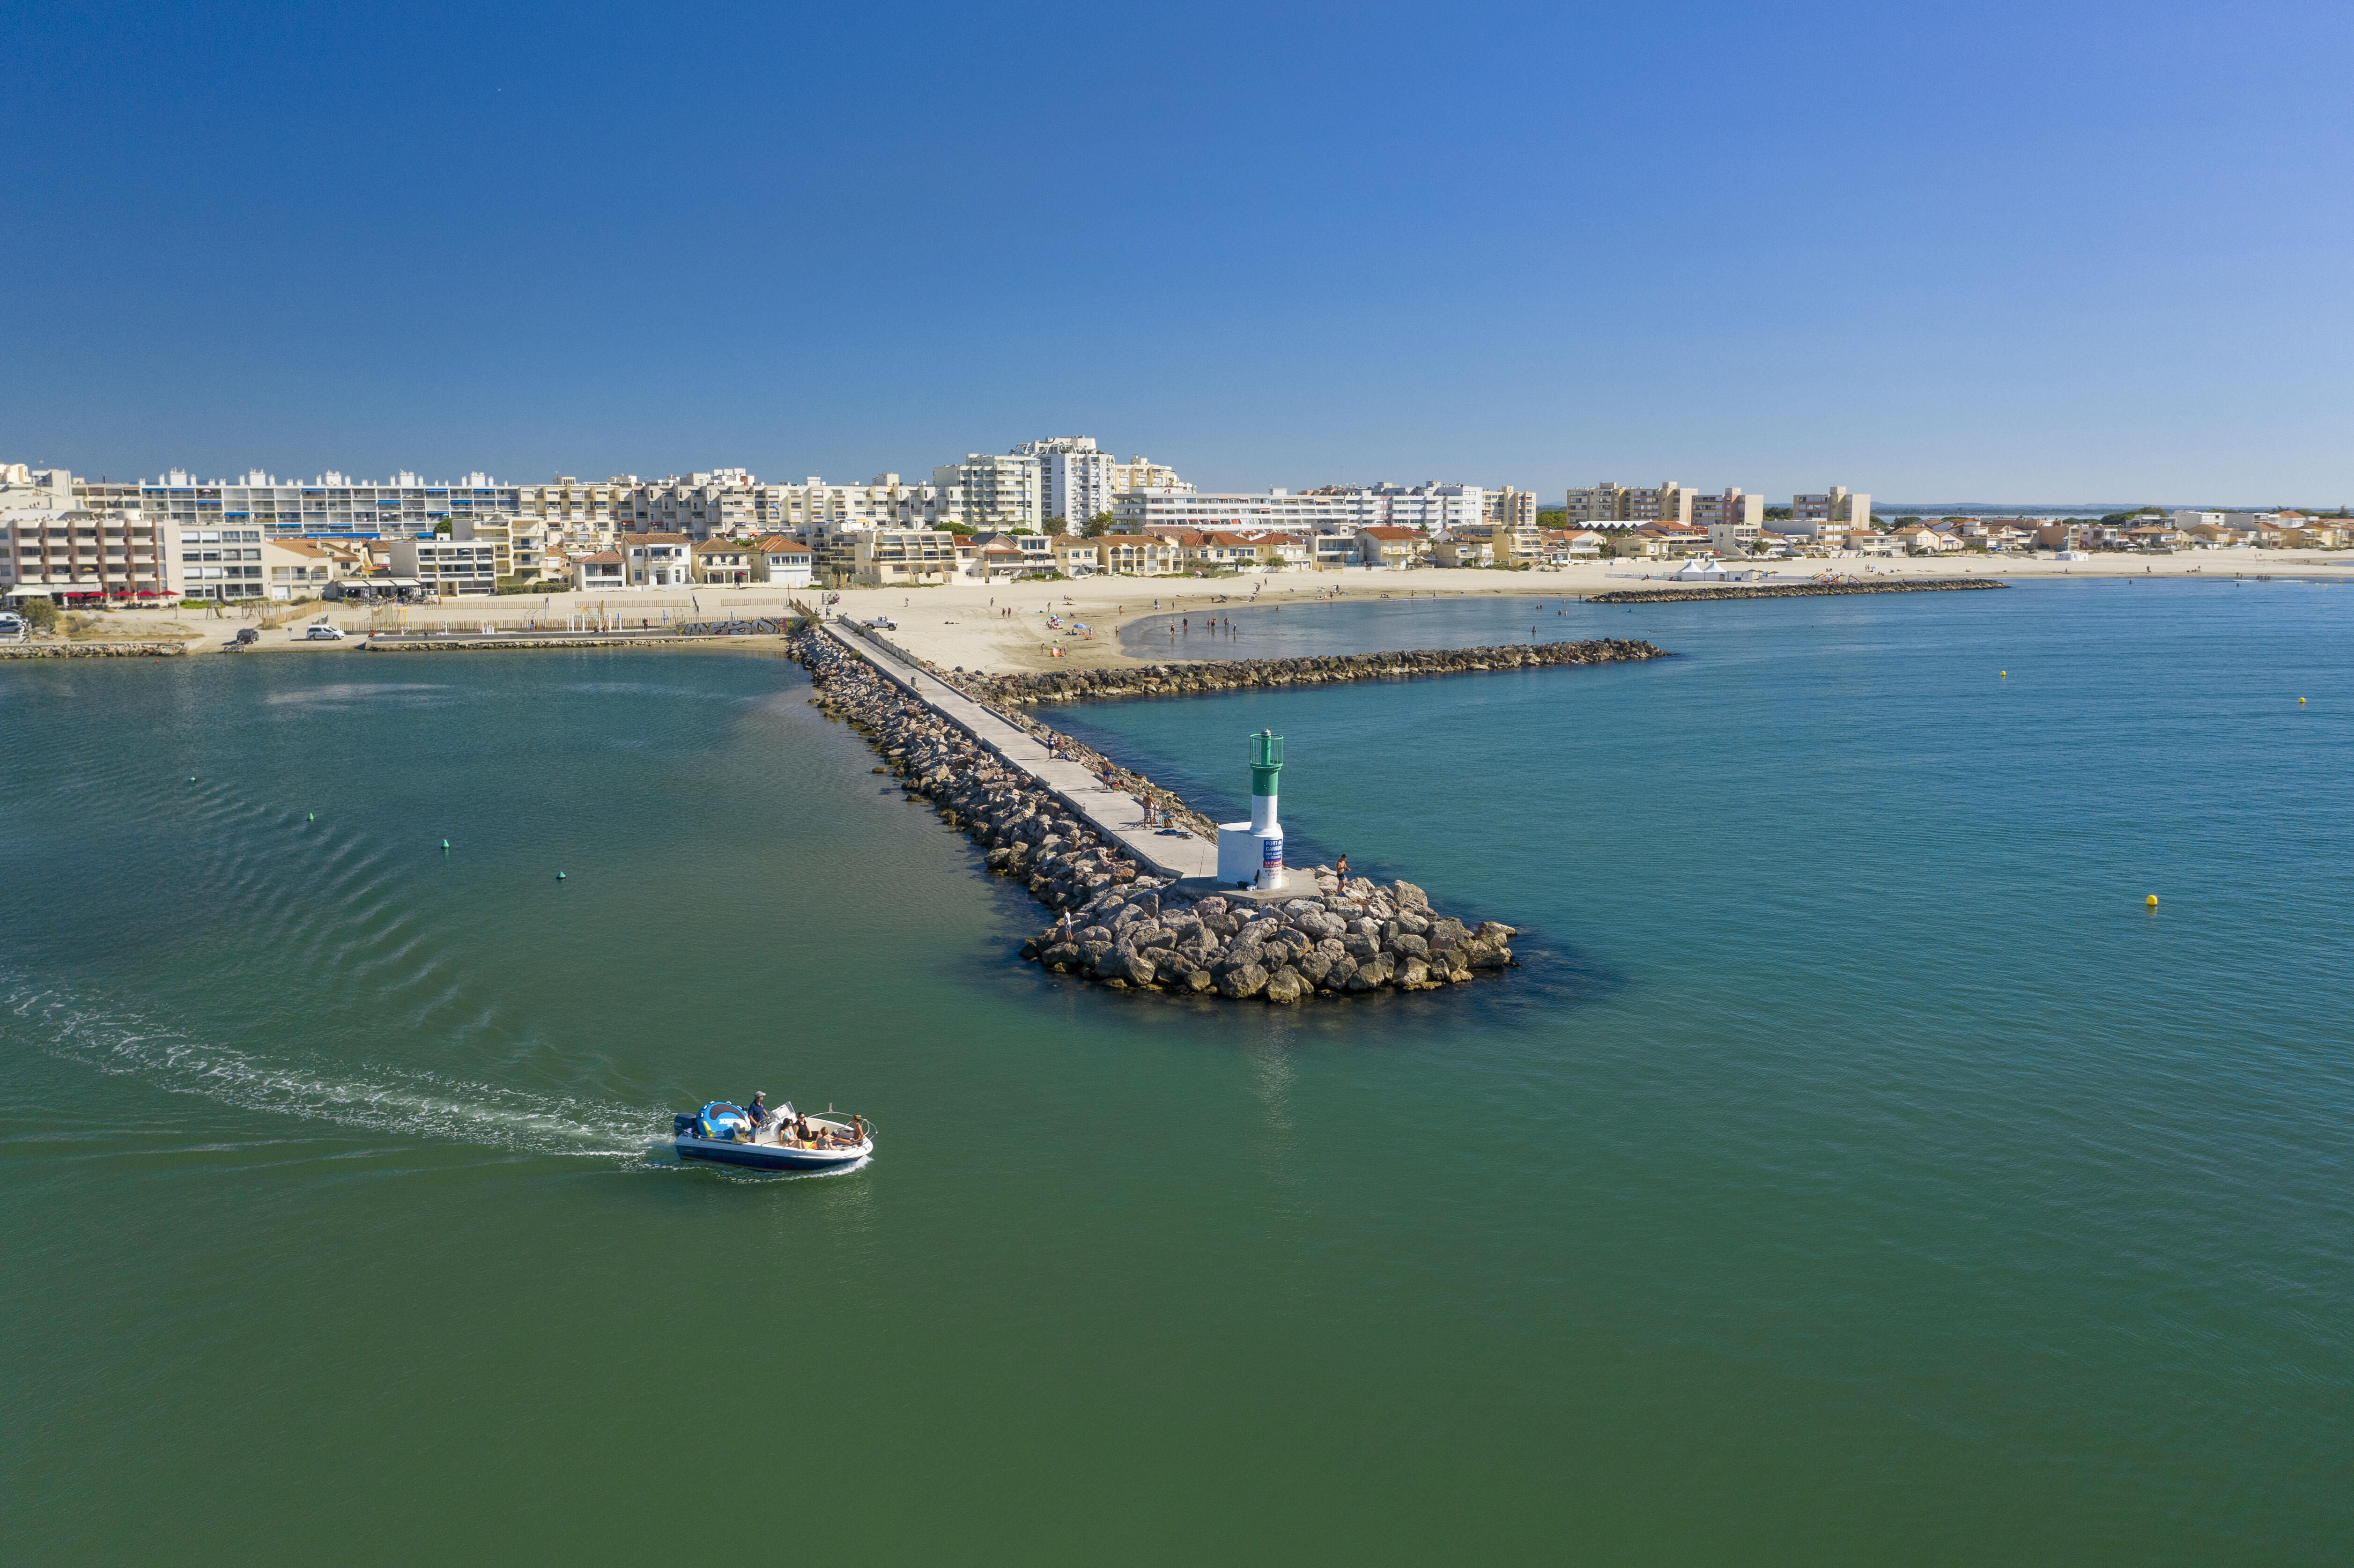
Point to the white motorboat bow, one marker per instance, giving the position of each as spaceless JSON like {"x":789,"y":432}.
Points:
{"x":725,"y":1135}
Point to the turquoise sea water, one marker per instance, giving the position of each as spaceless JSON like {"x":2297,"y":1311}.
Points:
{"x":1857,"y":1172}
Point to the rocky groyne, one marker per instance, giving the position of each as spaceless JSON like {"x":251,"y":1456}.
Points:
{"x":1789,"y":590}
{"x":1238,"y":674}
{"x":92,"y":650}
{"x":1129,"y":930}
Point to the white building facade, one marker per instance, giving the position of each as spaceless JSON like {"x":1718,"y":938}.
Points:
{"x":990,"y":490}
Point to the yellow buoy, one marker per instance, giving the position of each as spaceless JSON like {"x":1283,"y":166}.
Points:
{"x":2300,"y":701}
{"x":2152,"y":901}
{"x":2004,"y":674}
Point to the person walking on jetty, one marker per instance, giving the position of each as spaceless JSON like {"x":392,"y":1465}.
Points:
{"x":1342,"y":865}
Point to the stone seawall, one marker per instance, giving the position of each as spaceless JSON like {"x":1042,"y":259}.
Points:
{"x":1238,"y":674}
{"x":92,"y":650}
{"x":478,"y":644}
{"x":1788,"y":590}
{"x":1131,"y":930}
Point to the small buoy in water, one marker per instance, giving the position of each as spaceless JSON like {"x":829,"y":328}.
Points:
{"x":2004,"y":674}
{"x":559,"y":877}
{"x":445,"y":844}
{"x":2300,"y":701}
{"x":313,"y":817}
{"x":2152,"y":901}
{"x":192,"y":777}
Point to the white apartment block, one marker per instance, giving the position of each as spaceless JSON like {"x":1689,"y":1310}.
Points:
{"x":1610,"y":507}
{"x":328,"y":506}
{"x":446,"y":565}
{"x":1077,"y":483}
{"x":1431,"y":508}
{"x":989,"y":491}
{"x":1809,"y":513}
{"x":1316,"y":512}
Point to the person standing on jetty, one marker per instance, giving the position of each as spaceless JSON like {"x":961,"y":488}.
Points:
{"x":1342,"y":865}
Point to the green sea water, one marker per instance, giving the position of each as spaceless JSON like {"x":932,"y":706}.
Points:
{"x":1856,"y":1172}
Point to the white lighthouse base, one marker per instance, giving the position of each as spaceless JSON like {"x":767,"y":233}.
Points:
{"x":1242,"y":854}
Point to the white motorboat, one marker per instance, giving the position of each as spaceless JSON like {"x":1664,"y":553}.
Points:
{"x":789,"y":1140}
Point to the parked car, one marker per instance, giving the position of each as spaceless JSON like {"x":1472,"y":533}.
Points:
{"x":322,"y":632}
{"x":12,"y":627}
{"x":884,"y":623}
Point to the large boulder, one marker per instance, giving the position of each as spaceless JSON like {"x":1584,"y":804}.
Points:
{"x":1340,"y":973}
{"x":1408,"y":943}
{"x":1246,"y":979}
{"x":1446,"y":932}
{"x":1373,"y":972}
{"x":1416,"y":973}
{"x":1062,"y":955}
{"x":1286,"y":986}
{"x":1133,"y":967}
{"x":1408,"y":896}
{"x":1496,"y":931}
{"x":1314,"y":965}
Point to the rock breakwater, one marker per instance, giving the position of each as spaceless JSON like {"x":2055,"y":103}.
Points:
{"x":1119,"y":925}
{"x":1235,"y":674}
{"x":93,"y":650}
{"x":1790,"y":590}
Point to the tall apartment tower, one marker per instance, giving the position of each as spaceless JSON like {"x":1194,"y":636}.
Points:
{"x":1075,"y":482}
{"x":994,"y":491}
{"x":1837,"y":504}
{"x":1508,"y":507}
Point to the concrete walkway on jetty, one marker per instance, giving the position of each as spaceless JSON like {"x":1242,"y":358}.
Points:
{"x":1115,"y":813}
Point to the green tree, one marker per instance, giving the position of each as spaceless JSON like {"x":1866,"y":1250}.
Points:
{"x":1099,"y":525}
{"x":1056,"y":525}
{"x":41,"y":614}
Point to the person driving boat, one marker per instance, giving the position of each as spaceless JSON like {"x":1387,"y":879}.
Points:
{"x":760,"y":1114}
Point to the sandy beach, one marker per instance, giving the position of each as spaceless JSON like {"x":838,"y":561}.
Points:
{"x":1004,"y":627}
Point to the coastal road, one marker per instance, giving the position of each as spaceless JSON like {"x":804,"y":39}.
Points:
{"x":1115,"y":813}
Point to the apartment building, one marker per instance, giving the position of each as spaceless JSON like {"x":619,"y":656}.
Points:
{"x":1142,"y":511}
{"x":564,"y":501}
{"x":1609,"y":506}
{"x":446,"y":565}
{"x":889,"y":557}
{"x":1140,"y":555}
{"x":1809,"y":513}
{"x":1077,"y":483}
{"x":1514,"y":508}
{"x":72,"y":556}
{"x":1729,"y":507}
{"x":331,"y":504}
{"x":993,"y":490}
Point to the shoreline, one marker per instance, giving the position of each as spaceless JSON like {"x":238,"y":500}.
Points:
{"x":961,"y":624}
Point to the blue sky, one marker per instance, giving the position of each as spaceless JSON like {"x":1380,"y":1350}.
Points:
{"x":2005,"y":253}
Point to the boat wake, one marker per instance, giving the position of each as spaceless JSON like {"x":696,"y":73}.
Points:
{"x":376,"y":1097}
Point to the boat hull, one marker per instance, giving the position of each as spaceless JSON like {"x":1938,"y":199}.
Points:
{"x":770,"y":1156}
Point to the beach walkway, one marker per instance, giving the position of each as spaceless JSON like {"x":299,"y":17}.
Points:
{"x":1116,"y":814}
